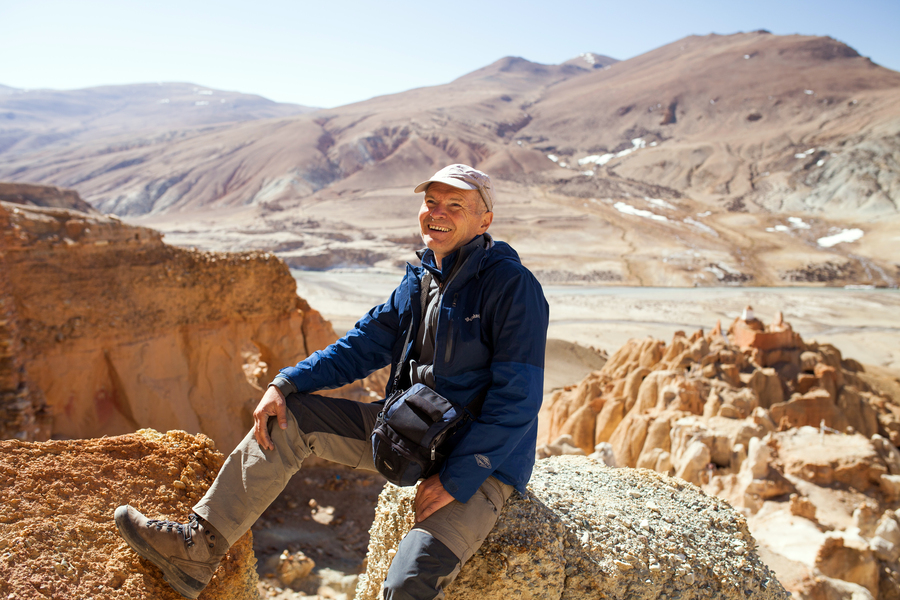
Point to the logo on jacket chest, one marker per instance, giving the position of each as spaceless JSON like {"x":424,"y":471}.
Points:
{"x":473,"y":317}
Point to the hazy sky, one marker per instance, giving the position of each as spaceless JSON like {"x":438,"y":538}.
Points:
{"x":332,"y":53}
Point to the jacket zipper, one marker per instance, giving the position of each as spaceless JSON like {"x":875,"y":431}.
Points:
{"x":448,"y":351}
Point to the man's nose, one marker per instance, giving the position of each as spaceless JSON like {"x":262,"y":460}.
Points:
{"x":438,"y":210}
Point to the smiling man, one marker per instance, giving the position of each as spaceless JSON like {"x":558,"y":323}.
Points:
{"x":471,"y":324}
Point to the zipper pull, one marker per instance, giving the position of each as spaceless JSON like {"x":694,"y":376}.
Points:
{"x":432,"y":453}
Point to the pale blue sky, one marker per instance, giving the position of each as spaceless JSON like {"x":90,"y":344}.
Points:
{"x":328,"y":54}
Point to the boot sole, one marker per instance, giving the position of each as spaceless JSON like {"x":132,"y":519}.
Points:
{"x":180,"y":581}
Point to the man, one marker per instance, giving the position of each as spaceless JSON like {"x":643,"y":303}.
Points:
{"x":474,"y":321}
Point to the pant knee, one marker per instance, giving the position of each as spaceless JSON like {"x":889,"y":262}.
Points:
{"x":421,"y":569}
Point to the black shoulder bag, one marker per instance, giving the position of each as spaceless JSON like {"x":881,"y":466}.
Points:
{"x":409,"y":441}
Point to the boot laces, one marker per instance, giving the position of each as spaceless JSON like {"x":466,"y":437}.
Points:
{"x":186,"y":530}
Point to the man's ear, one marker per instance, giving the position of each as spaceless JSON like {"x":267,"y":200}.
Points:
{"x":486,"y":220}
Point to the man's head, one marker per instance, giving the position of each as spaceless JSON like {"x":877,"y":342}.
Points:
{"x":457,"y":207}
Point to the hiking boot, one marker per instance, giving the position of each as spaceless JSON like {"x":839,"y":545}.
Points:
{"x":188,"y":553}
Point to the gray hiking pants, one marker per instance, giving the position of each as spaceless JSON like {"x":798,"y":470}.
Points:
{"x":339,"y":430}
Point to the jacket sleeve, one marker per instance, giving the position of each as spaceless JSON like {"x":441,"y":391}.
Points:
{"x":508,"y":419}
{"x":364,"y":349}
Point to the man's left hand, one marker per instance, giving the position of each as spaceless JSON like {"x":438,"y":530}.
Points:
{"x":430,"y":497}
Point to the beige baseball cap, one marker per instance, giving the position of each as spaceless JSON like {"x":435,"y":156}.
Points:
{"x":463,"y":177}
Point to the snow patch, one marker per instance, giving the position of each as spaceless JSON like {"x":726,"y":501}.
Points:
{"x":201,"y":102}
{"x":205,"y":92}
{"x":704,"y":214}
{"x":701,"y":226}
{"x":798,"y":223}
{"x":597,"y":159}
{"x":637,"y":212}
{"x":845,"y":235}
{"x":588,"y":173}
{"x":164,"y":101}
{"x":660,"y":203}
{"x":602,"y":159}
{"x":553,"y":157}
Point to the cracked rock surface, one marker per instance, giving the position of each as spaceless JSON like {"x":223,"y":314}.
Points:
{"x":585,"y":530}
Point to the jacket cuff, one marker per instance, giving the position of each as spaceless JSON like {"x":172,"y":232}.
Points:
{"x":284,"y":385}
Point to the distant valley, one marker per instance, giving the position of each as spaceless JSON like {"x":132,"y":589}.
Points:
{"x":748,"y":159}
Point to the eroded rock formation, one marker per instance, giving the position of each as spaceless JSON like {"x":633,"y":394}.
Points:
{"x":789,"y":432}
{"x":57,"y":498}
{"x":655,"y":403}
{"x":115,"y":330}
{"x":587,"y":531}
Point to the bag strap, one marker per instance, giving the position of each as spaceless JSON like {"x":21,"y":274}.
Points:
{"x":423,"y":303}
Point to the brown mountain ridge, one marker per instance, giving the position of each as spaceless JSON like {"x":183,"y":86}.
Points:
{"x":715,"y":159}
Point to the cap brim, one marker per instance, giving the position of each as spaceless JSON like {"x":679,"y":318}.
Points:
{"x":452,"y":182}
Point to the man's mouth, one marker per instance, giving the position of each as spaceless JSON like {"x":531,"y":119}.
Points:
{"x":438,"y":228}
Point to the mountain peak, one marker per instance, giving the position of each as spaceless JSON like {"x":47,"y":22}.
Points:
{"x":591,"y":60}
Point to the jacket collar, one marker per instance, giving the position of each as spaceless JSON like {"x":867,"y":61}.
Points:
{"x":457,"y":261}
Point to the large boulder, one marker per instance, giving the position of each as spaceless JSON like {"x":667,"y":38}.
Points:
{"x":57,"y":535}
{"x":585,"y":530}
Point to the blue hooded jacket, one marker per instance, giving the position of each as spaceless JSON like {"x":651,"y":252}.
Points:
{"x":490,"y":340}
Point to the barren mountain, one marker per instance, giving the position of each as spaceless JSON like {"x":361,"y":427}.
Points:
{"x":741,"y":159}
{"x":31,"y":120}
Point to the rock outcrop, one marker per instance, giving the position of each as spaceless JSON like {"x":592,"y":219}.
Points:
{"x":585,"y":530}
{"x":108,"y":330}
{"x":57,"y":498}
{"x":48,"y":196}
{"x":790,"y":433}
{"x":698,"y":402}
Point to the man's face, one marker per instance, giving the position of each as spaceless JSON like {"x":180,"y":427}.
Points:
{"x":450,"y":218}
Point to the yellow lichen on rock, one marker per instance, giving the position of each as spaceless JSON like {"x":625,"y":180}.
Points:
{"x":585,"y":530}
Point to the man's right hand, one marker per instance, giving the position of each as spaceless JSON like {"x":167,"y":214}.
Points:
{"x":271,"y":405}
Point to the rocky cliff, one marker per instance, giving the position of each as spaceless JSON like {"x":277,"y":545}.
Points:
{"x":107,"y":329}
{"x":584,"y":530}
{"x":791,"y":433}
{"x":43,"y":195}
{"x":57,"y":498}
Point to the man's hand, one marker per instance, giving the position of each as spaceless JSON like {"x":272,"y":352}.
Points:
{"x":430,"y":497}
{"x":271,"y":405}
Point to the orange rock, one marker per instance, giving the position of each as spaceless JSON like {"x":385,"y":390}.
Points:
{"x":854,"y":563}
{"x":802,"y":507}
{"x":57,"y":500}
{"x":608,"y":420}
{"x":812,"y":409}
{"x":628,"y":439}
{"x":122,"y":331}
